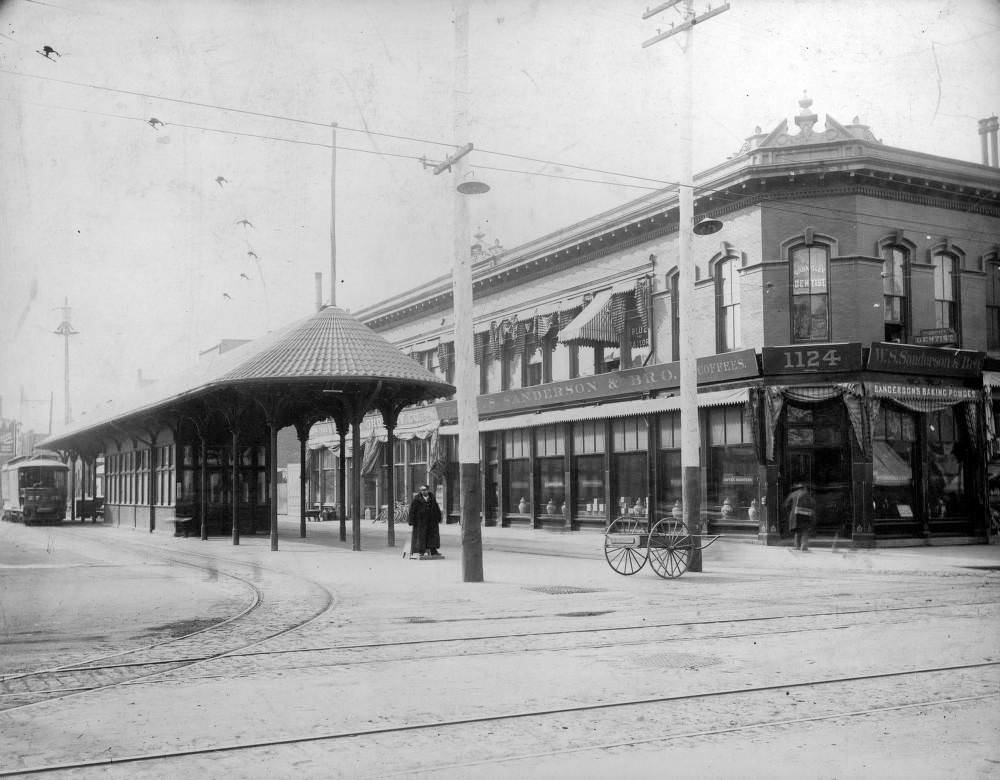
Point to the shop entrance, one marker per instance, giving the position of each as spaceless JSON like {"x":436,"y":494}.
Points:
{"x":818,"y":454}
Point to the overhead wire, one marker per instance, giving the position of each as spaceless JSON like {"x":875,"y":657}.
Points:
{"x":800,"y":209}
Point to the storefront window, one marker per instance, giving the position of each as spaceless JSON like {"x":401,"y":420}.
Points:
{"x":329,"y":476}
{"x":817,"y":452}
{"x":517,"y":450}
{"x":894,"y":440}
{"x":550,"y":448}
{"x":399,"y":471}
{"x":630,"y":468}
{"x":946,"y":490}
{"x":669,"y":465}
{"x":588,"y":468}
{"x":418,"y":449}
{"x":491,"y":490}
{"x":732,"y":467}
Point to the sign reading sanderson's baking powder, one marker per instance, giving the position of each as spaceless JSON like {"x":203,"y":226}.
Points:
{"x":909,"y":359}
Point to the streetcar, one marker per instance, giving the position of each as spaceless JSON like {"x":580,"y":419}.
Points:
{"x":33,"y":488}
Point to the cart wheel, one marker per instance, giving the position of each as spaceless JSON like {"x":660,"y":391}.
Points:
{"x":625,"y":544}
{"x":670,"y":548}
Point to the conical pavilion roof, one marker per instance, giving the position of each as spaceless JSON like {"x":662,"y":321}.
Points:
{"x":332,"y":345}
{"x":328,"y":350}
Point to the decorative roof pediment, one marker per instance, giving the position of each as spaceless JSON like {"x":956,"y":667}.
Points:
{"x":806,"y":120}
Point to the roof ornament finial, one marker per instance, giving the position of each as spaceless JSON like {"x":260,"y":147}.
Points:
{"x":805,"y":119}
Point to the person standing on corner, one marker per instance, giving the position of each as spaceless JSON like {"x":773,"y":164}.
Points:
{"x":425,"y":516}
{"x":800,"y":507}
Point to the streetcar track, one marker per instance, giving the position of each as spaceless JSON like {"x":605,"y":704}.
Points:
{"x":687,"y":735}
{"x":45,"y":695}
{"x":185,"y":662}
{"x":549,"y":712}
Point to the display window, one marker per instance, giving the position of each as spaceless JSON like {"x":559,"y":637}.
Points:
{"x":588,"y":470}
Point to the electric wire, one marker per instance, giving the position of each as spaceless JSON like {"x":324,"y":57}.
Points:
{"x":803,"y":209}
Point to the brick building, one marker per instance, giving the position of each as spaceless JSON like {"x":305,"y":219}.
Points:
{"x":846,"y":312}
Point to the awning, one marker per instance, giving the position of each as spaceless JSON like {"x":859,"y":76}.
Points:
{"x":991,"y":379}
{"x":593,"y":325}
{"x":605,"y":411}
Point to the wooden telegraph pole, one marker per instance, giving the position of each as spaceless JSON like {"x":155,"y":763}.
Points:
{"x":466,"y":381}
{"x":690,"y":428}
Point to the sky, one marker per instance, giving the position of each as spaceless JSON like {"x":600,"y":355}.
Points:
{"x":138,"y":225}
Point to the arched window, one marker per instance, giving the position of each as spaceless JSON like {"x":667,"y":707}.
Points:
{"x":809,"y":267}
{"x":993,"y":301}
{"x":947,"y":304}
{"x":896,"y":254}
{"x":728,"y":323}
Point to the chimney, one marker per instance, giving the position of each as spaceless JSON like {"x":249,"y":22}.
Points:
{"x":319,"y":291}
{"x":988,"y":130}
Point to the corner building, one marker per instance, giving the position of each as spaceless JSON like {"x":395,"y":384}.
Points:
{"x":845,"y":315}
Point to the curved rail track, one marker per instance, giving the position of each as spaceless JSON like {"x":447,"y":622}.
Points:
{"x":260,"y":621}
{"x":439,"y":726}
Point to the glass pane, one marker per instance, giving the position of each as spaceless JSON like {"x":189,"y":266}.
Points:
{"x":518,"y":486}
{"x":669,"y":480}
{"x":732,"y":482}
{"x":630,"y":483}
{"x":590,"y":485}
{"x":819,"y":326}
{"x":552,"y":486}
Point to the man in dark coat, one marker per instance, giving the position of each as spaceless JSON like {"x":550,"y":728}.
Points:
{"x":800,"y":507}
{"x":425,"y":516}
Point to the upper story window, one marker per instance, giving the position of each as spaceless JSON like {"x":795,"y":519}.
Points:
{"x":895,"y":278}
{"x":810,"y":294}
{"x":993,"y":302}
{"x":727,"y":276}
{"x":674,"y":282}
{"x":947,"y":303}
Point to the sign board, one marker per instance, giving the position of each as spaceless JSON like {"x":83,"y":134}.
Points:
{"x":910,"y":359}
{"x":931,"y":336}
{"x":629,"y":381}
{"x":945,"y":393}
{"x":811,"y":358}
{"x":904,"y":510}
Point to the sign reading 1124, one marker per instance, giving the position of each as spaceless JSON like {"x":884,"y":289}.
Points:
{"x":811,"y":358}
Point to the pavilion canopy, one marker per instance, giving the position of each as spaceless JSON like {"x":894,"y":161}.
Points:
{"x":318,"y":360}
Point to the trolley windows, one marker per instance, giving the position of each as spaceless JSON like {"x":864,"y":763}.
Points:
{"x":36,"y":476}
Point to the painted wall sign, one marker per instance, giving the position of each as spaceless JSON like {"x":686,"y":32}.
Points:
{"x":930,"y":336}
{"x":631,"y":381}
{"x":811,"y":358}
{"x":929,"y":392}
{"x":910,"y":359}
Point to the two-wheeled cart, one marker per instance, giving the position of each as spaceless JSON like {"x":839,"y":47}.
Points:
{"x":668,"y":546}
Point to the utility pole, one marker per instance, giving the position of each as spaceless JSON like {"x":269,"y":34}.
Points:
{"x":333,"y":214}
{"x":690,"y":427}
{"x":66,"y":330}
{"x":466,"y":383}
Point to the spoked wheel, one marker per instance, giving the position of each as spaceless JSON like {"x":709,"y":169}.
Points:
{"x":670,"y":548}
{"x":624,"y":544}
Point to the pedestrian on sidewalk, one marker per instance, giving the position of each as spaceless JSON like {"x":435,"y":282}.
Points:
{"x":425,"y":517}
{"x":800,"y":508}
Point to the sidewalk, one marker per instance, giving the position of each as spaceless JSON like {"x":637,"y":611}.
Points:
{"x":724,"y":553}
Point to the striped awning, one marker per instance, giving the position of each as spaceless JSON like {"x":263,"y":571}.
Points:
{"x":605,"y":411}
{"x":594,"y":325}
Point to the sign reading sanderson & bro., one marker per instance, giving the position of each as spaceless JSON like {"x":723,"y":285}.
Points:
{"x":631,"y":381}
{"x":909,"y":359}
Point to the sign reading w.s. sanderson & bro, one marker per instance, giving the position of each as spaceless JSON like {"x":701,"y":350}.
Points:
{"x":663,"y":376}
{"x":909,"y":359}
